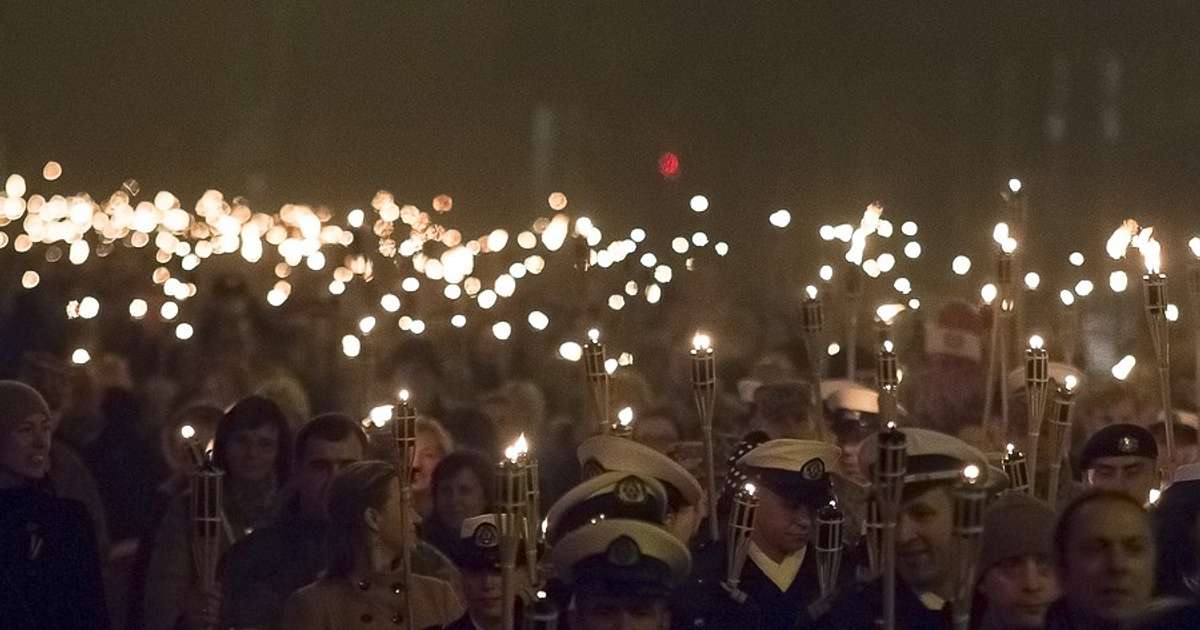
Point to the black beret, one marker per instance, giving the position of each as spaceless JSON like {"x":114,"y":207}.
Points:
{"x":1118,"y":440}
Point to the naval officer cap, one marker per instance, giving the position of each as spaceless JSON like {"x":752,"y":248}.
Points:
{"x":1118,"y":440}
{"x":478,"y":546}
{"x":797,"y":470}
{"x":621,"y":557}
{"x":853,"y":409}
{"x":611,"y":453}
{"x":936,"y":458}
{"x":615,"y":494}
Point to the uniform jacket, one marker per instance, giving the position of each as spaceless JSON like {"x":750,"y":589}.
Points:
{"x":858,"y":608}
{"x":343,"y":604}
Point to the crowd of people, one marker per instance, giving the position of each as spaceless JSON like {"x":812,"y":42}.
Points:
{"x":97,"y":503}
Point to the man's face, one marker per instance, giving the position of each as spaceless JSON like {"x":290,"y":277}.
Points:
{"x":1108,"y":560}
{"x":322,"y":460}
{"x":1132,"y":475}
{"x":1019,"y":590}
{"x":484,"y":594}
{"x":924,"y":542}
{"x":25,"y":448}
{"x":851,"y":467}
{"x":597,"y":612}
{"x":780,"y":527}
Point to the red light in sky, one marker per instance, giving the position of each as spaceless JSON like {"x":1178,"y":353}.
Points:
{"x":668,"y":165}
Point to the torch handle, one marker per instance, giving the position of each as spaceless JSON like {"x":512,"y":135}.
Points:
{"x":889,"y":574}
{"x":1004,"y":336}
{"x":812,"y":344}
{"x":990,"y":384}
{"x":714,"y":531}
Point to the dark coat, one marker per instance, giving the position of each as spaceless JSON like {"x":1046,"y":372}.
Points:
{"x":49,"y":564}
{"x":858,"y":608}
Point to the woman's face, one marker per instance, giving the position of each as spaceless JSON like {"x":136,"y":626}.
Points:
{"x":25,"y":448}
{"x":251,"y":454}
{"x":460,"y":497}
{"x":428,"y":454}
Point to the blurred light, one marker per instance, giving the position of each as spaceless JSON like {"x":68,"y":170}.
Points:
{"x":833,"y":349}
{"x":699,"y":239}
{"x":914,"y":304}
{"x":169,"y":310}
{"x":1067,"y":297}
{"x":721,"y":248}
{"x":1033,"y":281}
{"x":653,"y":294}
{"x":616,"y":302}
{"x":826,"y":272}
{"x":780,"y":218}
{"x":355,"y":218}
{"x":505,"y":285}
{"x":826,"y":232}
{"x":570,"y":351}
{"x":902,"y":285}
{"x":410,"y":284}
{"x":52,"y":171}
{"x":1172,"y":313}
{"x":1076,"y":259}
{"x":367,"y":324}
{"x":527,"y":240}
{"x":884,"y":229}
{"x":1084,"y":288}
{"x":452,"y":291}
{"x":14,"y":186}
{"x":184,"y":331}
{"x":502,"y":330}
{"x":908,"y":228}
{"x":679,"y":245}
{"x":80,"y":356}
{"x":1118,"y":281}
{"x":1000,"y":233}
{"x":486,"y":299}
{"x":961,"y":265}
{"x":988,"y":293}
{"x":89,"y":307}
{"x":648,"y":260}
{"x":1194,"y":245}
{"x":458,"y":321}
{"x":538,"y":320}
{"x":351,"y":346}
{"x":1014,"y":185}
{"x":1121,"y":370}
{"x":698,"y":203}
{"x":886,"y":262}
{"x":662,"y":274}
{"x":668,"y":165}
{"x":337,"y":287}
{"x":912,"y":249}
{"x":390,"y":302}
{"x":138,"y":308}
{"x":30,"y":279}
{"x":417,"y":326}
{"x":557,"y":201}
{"x":637,"y":235}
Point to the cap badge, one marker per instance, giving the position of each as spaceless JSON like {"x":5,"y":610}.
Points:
{"x":486,"y":536}
{"x":624,"y":552}
{"x":812,"y":470}
{"x":1127,"y":444}
{"x":631,"y":490}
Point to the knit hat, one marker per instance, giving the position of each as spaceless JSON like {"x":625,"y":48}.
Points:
{"x":19,"y":401}
{"x":1015,"y":525}
{"x":957,"y":332}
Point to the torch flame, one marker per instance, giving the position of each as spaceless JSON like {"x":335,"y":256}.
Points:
{"x":594,"y":335}
{"x":888,"y":312}
{"x":888,"y":346}
{"x":701,"y":342}
{"x":971,"y":474}
{"x":1011,"y":449}
{"x":812,"y":291}
{"x":1036,"y":342}
{"x":1009,"y":245}
{"x":1194,"y":244}
{"x":1151,"y":255}
{"x":1000,"y":233}
{"x":1070,"y":382}
{"x":988,"y":293}
{"x":625,"y":416}
{"x":1119,"y":242}
{"x":517,"y":449}
{"x":404,"y":395}
{"x":750,"y":489}
{"x":187,"y":431}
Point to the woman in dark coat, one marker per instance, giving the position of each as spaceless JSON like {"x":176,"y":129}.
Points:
{"x":49,"y":565}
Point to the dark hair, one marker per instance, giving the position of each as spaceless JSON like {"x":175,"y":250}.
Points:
{"x":1062,"y":529}
{"x":1175,"y":530}
{"x":330,"y":427}
{"x":459,"y":461}
{"x":359,"y":486}
{"x":251,"y":413}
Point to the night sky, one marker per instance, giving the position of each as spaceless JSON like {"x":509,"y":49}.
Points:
{"x":1096,"y":105}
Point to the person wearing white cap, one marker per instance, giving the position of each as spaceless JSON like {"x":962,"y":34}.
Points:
{"x":685,"y":498}
{"x":926,"y":555}
{"x":792,"y":480}
{"x":620,"y":573}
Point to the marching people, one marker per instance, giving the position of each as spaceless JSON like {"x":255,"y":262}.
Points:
{"x":364,"y":585}
{"x":49,"y":562}
{"x":1122,"y":458}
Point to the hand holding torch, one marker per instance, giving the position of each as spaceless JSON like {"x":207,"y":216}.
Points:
{"x":704,"y":394}
{"x":970,"y":499}
{"x":1037,"y":381}
{"x":829,"y":547}
{"x":741,"y":526}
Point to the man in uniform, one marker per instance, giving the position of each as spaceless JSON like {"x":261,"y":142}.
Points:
{"x":685,"y":498}
{"x":925,"y":550}
{"x":1123,"y":458}
{"x":477,"y":555}
{"x":779,"y":579}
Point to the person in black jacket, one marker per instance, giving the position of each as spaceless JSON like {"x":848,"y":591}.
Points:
{"x":49,"y":564}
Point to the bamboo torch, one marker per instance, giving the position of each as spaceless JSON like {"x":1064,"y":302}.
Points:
{"x":813,"y":321}
{"x":854,"y":289}
{"x":873,"y":532}
{"x":829,"y":547}
{"x":704,"y":394}
{"x":597,"y":378}
{"x":1015,"y":468}
{"x":1037,"y":381}
{"x":624,"y":426}
{"x":404,"y":438}
{"x":888,"y":479}
{"x":887,"y":368}
{"x":1060,"y":435}
{"x":533,"y":508}
{"x":1154,"y":284}
{"x":208,"y":517}
{"x":741,"y":526}
{"x":1194,"y":291}
{"x":988,"y":295}
{"x":512,"y":494}
{"x":970,"y":499}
